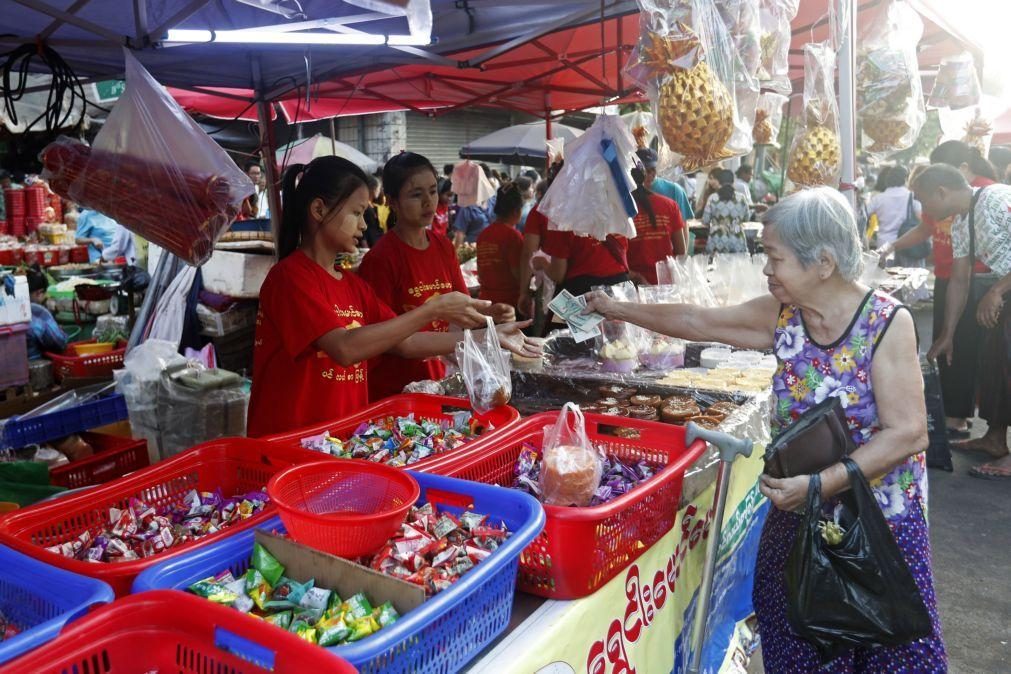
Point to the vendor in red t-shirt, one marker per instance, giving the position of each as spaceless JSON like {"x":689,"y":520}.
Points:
{"x":499,"y":248}
{"x":440,"y":223}
{"x":318,"y":326}
{"x":412,"y":266}
{"x":958,"y":379}
{"x":660,"y":231}
{"x":579,"y":263}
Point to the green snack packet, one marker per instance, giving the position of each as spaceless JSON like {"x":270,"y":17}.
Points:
{"x":254,"y":579}
{"x":265,"y":563}
{"x":303,"y":631}
{"x":282,"y":619}
{"x":309,"y":615}
{"x":363,"y":628}
{"x":386,"y":615}
{"x":357,"y":607}
{"x":334,"y":603}
{"x":211,"y":589}
{"x":316,"y":597}
{"x":332,"y":632}
{"x":288,"y":593}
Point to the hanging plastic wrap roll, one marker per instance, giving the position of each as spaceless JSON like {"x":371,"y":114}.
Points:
{"x":775,"y":17}
{"x":889,"y":93}
{"x":592,"y":193}
{"x":957,"y":83}
{"x":816,"y":153}
{"x":153,"y":170}
{"x":686,"y":61}
{"x":768,"y":119}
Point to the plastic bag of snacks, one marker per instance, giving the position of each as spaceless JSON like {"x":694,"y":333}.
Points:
{"x":889,"y":94}
{"x":957,"y":83}
{"x":742,"y":21}
{"x":485,"y":369}
{"x":620,"y":343}
{"x":775,"y":17}
{"x":592,"y":193}
{"x":686,"y":61}
{"x":661,"y":352}
{"x":571,"y":466}
{"x":816,"y":153}
{"x":768,"y":119}
{"x":136,"y":174}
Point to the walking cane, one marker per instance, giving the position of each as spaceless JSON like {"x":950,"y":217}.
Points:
{"x":729,"y":448}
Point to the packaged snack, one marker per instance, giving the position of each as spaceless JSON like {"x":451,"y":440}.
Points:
{"x":571,"y":465}
{"x":485,"y":369}
{"x":267,"y":565}
{"x":816,"y":153}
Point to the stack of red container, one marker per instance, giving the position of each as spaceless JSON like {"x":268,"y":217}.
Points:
{"x":14,"y":203}
{"x":36,"y":200}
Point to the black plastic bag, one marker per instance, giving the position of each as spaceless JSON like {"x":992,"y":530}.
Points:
{"x":859,"y":592}
{"x":939,"y":449}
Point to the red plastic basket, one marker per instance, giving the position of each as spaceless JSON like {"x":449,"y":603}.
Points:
{"x":171,"y":631}
{"x":69,"y":364}
{"x":114,"y":457}
{"x":583,"y":548}
{"x":347,"y":508}
{"x":235,"y":465}
{"x":423,"y":406}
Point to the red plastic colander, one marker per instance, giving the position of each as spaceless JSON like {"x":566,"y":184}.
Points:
{"x":346,"y":508}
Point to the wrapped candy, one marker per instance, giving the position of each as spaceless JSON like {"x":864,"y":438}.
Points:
{"x":889,"y":94}
{"x":816,"y":153}
{"x":768,"y":119}
{"x":775,"y":17}
{"x":398,"y":441}
{"x":8,"y":629}
{"x":139,"y":530}
{"x":957,"y":83}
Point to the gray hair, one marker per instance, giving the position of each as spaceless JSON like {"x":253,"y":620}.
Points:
{"x":816,"y":221}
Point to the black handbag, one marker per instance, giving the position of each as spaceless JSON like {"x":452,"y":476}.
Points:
{"x":921,"y":250}
{"x":858,"y":592}
{"x":818,"y":439}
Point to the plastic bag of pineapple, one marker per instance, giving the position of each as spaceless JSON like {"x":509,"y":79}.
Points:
{"x":890,"y":105}
{"x":775,"y":17}
{"x":957,"y":83}
{"x":687,"y":62}
{"x":768,"y":119}
{"x":816,"y":154}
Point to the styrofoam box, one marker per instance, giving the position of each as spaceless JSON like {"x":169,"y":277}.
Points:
{"x":238,"y":275}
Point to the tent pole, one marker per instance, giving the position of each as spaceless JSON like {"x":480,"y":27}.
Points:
{"x":547,"y":132}
{"x":333,"y":137}
{"x":847,"y":101}
{"x":267,"y":147}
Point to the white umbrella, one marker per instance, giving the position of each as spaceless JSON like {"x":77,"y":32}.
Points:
{"x":520,"y":145}
{"x":305,"y":150}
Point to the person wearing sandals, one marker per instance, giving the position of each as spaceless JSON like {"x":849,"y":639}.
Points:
{"x":832,"y":336}
{"x":981,"y":231}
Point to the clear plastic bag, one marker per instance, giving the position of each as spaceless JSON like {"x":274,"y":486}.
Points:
{"x":775,"y":17}
{"x":153,"y":170}
{"x":592,"y":193}
{"x":661,"y":353}
{"x":816,"y":152}
{"x":571,"y":465}
{"x":687,"y":61}
{"x":485,"y":369}
{"x":768,"y":119}
{"x":620,"y":343}
{"x":890,"y":104}
{"x":957,"y":83}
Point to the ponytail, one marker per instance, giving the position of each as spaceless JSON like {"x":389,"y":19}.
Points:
{"x":332,"y":179}
{"x":641,"y":195}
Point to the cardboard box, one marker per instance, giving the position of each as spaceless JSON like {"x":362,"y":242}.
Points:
{"x":346,"y":578}
{"x":238,"y":275}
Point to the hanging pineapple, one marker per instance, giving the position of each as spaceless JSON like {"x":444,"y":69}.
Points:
{"x":694,"y":109}
{"x":816,"y":155}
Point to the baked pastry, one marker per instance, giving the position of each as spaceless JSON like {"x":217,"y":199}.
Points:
{"x":616,"y":391}
{"x":706,"y":421}
{"x":679,"y":414}
{"x":644,"y":412}
{"x":725,"y":407}
{"x":650,"y":401}
{"x":679,"y":401}
{"x":615,"y":411}
{"x":612,"y":402}
{"x":569,"y":475}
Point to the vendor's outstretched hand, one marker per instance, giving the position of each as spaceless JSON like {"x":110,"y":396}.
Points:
{"x":460,"y":309}
{"x":511,"y":336}
{"x":503,"y":313}
{"x":601,"y":303}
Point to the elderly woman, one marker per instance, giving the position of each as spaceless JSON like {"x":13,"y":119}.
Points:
{"x":832,"y":336}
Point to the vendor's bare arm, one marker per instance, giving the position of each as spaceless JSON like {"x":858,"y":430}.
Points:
{"x":347,"y":347}
{"x":750,"y":325}
{"x":898,"y":391}
{"x":428,"y":344}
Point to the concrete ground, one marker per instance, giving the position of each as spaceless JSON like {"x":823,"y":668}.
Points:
{"x":970,"y":534}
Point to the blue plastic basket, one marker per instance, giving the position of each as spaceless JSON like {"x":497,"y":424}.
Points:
{"x":441,"y":635}
{"x":39,"y":599}
{"x":18,"y":432}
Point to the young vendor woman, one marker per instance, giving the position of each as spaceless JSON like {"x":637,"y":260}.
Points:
{"x":659,"y":231}
{"x":413,"y":266}
{"x":318,"y":326}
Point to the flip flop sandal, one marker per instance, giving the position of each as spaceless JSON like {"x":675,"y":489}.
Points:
{"x":967,"y":449}
{"x":956,"y":434}
{"x":988,"y":472}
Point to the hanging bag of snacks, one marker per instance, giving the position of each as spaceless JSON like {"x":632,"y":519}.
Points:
{"x":768,"y":119}
{"x":816,"y":153}
{"x":775,"y":17}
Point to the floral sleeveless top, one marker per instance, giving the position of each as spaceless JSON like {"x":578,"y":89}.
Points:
{"x":809,"y":372}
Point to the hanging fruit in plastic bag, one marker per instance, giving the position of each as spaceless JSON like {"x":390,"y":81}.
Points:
{"x":978,"y":132}
{"x":816,"y":154}
{"x":889,"y":94}
{"x":768,"y":119}
{"x":957,"y":83}
{"x":775,"y":17}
